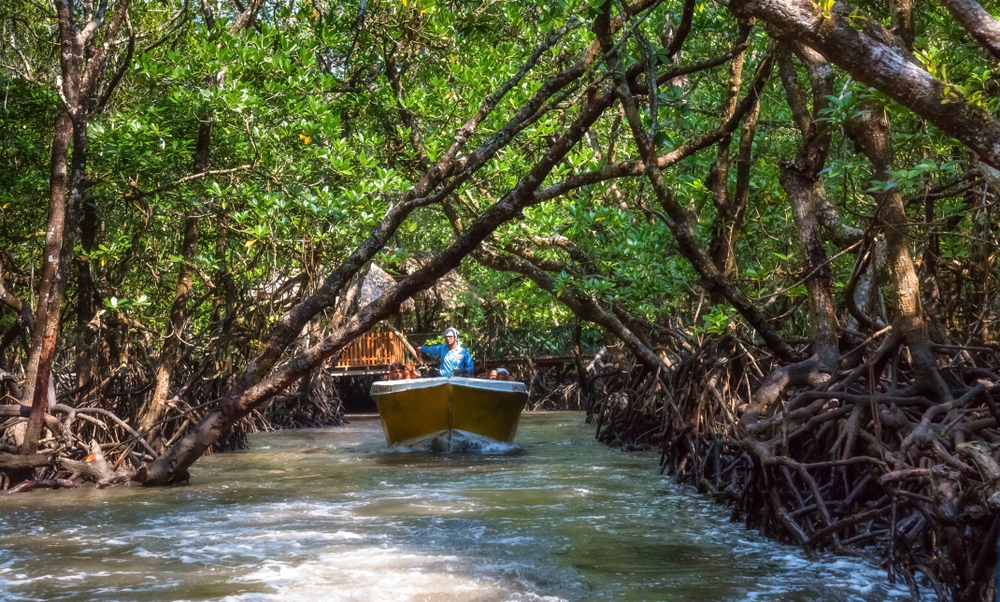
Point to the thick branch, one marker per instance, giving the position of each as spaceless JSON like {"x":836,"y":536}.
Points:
{"x":869,"y":58}
{"x":978,"y":22}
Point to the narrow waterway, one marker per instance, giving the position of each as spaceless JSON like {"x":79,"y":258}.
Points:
{"x":333,"y":514}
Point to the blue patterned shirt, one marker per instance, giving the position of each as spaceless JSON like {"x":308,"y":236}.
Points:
{"x":451,"y":360}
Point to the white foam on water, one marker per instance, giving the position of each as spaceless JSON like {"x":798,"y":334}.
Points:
{"x":458,"y":442}
{"x":485,"y":526}
{"x":297,"y":536}
{"x":378,"y":575}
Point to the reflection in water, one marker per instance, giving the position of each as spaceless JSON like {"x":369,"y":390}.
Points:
{"x":333,"y":514}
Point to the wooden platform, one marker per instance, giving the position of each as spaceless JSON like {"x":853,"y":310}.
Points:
{"x":371,"y":350}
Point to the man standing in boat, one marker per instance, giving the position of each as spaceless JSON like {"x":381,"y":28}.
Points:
{"x":455,"y":359}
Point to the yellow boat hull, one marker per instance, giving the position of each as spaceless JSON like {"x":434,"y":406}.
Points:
{"x":417,"y":410}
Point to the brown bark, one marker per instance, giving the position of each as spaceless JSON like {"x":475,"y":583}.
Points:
{"x":96,"y":470}
{"x":47,"y":313}
{"x":224,"y":312}
{"x":20,"y":462}
{"x":718,"y":174}
{"x":687,"y":15}
{"x":819,"y":72}
{"x":803,"y":184}
{"x":865,"y":280}
{"x":872,"y":136}
{"x":793,"y":91}
{"x":903,"y":25}
{"x":982,"y":259}
{"x":729,"y":220}
{"x":246,"y":17}
{"x":78,"y":85}
{"x":800,"y":186}
{"x":929,"y":286}
{"x":85,"y":307}
{"x":51,"y":422}
{"x":870,"y":56}
{"x":978,"y":22}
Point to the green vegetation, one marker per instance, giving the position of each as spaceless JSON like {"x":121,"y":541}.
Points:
{"x":192,"y":192}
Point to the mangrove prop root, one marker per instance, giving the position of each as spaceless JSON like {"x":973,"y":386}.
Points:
{"x":101,"y":412}
{"x":843,"y":465}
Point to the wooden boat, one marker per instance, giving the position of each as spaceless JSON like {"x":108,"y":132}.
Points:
{"x":414,"y":411}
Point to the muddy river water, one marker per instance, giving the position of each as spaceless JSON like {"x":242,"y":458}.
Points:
{"x":334,"y":514}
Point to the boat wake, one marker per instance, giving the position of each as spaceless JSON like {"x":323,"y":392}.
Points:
{"x":458,"y":442}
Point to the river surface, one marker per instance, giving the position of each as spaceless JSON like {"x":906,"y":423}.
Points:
{"x":334,"y":514}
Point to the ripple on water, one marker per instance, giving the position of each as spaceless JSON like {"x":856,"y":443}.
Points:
{"x":336,"y":515}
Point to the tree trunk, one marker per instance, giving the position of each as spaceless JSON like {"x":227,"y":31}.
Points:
{"x":930,"y":286}
{"x":224,"y":314}
{"x":85,"y":309}
{"x":801,"y":189}
{"x":903,"y":26}
{"x":803,"y":183}
{"x":46,"y":321}
{"x":153,"y":412}
{"x":65,"y":191}
{"x":872,"y":136}
{"x":720,"y":249}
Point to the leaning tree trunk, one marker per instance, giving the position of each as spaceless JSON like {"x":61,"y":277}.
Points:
{"x":978,"y":22}
{"x":873,"y":56}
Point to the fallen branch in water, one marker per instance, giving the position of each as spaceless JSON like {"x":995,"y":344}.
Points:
{"x":32,"y":484}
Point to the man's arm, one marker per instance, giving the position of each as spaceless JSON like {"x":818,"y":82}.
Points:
{"x":431,"y":350}
{"x":467,"y":364}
